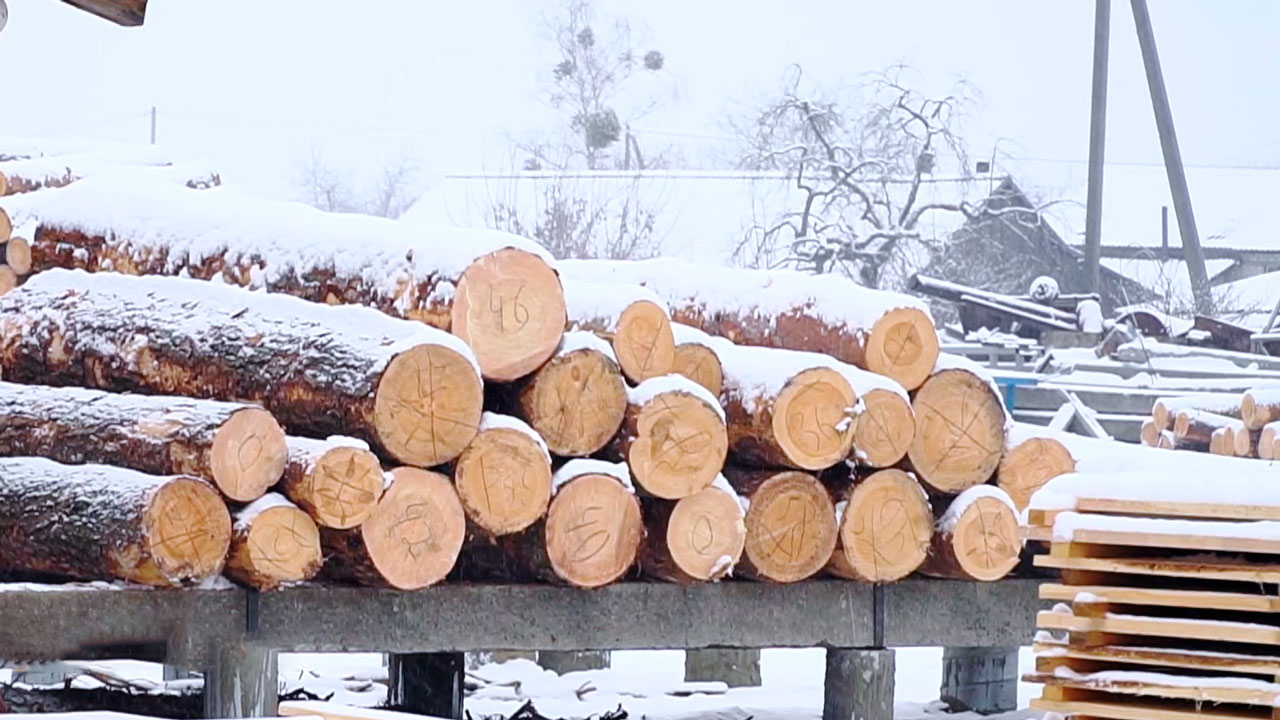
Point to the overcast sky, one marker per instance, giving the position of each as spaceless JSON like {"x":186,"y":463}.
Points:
{"x":256,"y":85}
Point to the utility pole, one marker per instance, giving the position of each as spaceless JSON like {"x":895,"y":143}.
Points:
{"x":153,"y":124}
{"x":1097,"y":144}
{"x":1172,"y":158}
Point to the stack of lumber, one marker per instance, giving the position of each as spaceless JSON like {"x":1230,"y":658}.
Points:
{"x":354,"y":400}
{"x":1241,"y":425}
{"x":1166,"y":605}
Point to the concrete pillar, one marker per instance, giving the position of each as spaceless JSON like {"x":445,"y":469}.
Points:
{"x":427,"y":683}
{"x":243,"y":683}
{"x":565,"y":661}
{"x":980,"y":679}
{"x":736,"y":667}
{"x":859,"y":685}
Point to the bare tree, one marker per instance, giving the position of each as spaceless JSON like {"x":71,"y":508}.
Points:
{"x":617,"y":226}
{"x":389,"y":195}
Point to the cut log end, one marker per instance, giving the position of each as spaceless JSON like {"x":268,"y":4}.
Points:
{"x":248,"y":454}
{"x":985,"y":540}
{"x":281,"y":545}
{"x":1269,"y":442}
{"x":1257,"y":413}
{"x":8,"y":279}
{"x":428,"y":404}
{"x":343,"y":488}
{"x":503,"y":480}
{"x":960,"y":433}
{"x":680,"y":445}
{"x":884,"y":430}
{"x":811,"y":422}
{"x":576,"y":402}
{"x":791,"y":527}
{"x":1161,"y":415}
{"x":706,"y":534}
{"x":188,"y":530}
{"x":643,"y":341}
{"x":4,"y":190}
{"x":593,"y":531}
{"x":6,"y":225}
{"x":701,"y":365}
{"x":17,"y":254}
{"x":510,"y":309}
{"x":903,"y":345}
{"x":1027,"y":466}
{"x":1219,"y":442}
{"x":415,"y":533}
{"x":1150,"y":433}
{"x":885,"y":531}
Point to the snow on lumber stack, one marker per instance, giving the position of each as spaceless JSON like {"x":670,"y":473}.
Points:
{"x":412,"y":390}
{"x":695,"y":357}
{"x":239,"y":447}
{"x":1030,"y":463}
{"x":496,"y":291}
{"x":697,"y":538}
{"x":791,"y":524}
{"x":886,"y":526}
{"x":411,"y":540}
{"x":273,"y":543}
{"x":504,"y":476}
{"x":634,"y":320}
{"x":1250,"y":494}
{"x":673,"y":437}
{"x":577,"y":400}
{"x":1259,"y":407}
{"x":337,"y":481}
{"x":1166,"y":410}
{"x":960,"y":427}
{"x":786,"y":408}
{"x":887,"y":333}
{"x":977,"y":538}
{"x":96,"y":522}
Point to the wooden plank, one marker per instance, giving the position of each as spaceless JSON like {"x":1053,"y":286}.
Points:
{"x":1157,"y":508}
{"x":1100,"y":705}
{"x":338,"y":711}
{"x":1039,"y":534}
{"x":1122,"y":657}
{"x":1174,"y":541}
{"x":1198,"y":599}
{"x":1167,"y":567}
{"x":1152,"y":687}
{"x":1183,"y":629}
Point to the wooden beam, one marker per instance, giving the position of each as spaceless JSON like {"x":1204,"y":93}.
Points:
{"x":129,"y":13}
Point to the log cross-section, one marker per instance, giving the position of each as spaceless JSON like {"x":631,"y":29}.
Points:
{"x":504,"y":476}
{"x":960,"y":430}
{"x":577,"y":400}
{"x":791,"y":524}
{"x":336,"y":481}
{"x":273,"y":543}
{"x":886,"y":526}
{"x":673,"y":437}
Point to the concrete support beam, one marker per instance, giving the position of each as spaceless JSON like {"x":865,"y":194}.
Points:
{"x":427,"y":683}
{"x":859,"y":685}
{"x":242,"y":683}
{"x":980,"y":679}
{"x":736,"y":667}
{"x":567,"y":661}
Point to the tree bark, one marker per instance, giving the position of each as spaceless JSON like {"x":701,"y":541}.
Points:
{"x":411,"y":540}
{"x":273,"y":543}
{"x":504,"y":476}
{"x":239,"y":447}
{"x":1197,"y":426}
{"x":1028,"y":465}
{"x":791,"y":524}
{"x":496,"y":291}
{"x":95,"y":522}
{"x":885,"y":527}
{"x":411,"y":390}
{"x":336,"y":481}
{"x":977,"y":538}
{"x":698,"y":538}
{"x":577,"y":400}
{"x":960,"y":430}
{"x":632,"y":319}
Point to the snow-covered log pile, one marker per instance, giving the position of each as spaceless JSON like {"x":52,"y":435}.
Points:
{"x":1241,"y":425}
{"x":1165,"y":605}
{"x":31,"y":174}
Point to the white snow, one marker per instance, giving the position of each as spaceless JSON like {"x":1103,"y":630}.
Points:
{"x":653,"y":387}
{"x":721,"y":483}
{"x":588,"y":466}
{"x":575,"y":340}
{"x":690,"y":335}
{"x":1067,"y":524}
{"x":493,"y":421}
{"x":599,"y":305}
{"x":966,"y":499}
{"x":267,"y":502}
{"x":752,"y":373}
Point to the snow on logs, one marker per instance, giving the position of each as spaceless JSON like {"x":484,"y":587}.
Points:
{"x":884,"y":332}
{"x":791,"y":524}
{"x":960,"y":427}
{"x":410,"y":541}
{"x":885,"y":527}
{"x":336,"y":481}
{"x":504,"y":476}
{"x":413,"y":391}
{"x":1165,"y":410}
{"x":577,"y":400}
{"x":496,"y":291}
{"x":696,"y":358}
{"x":96,"y":522}
{"x":239,"y":447}
{"x":698,"y":538}
{"x":977,"y":538}
{"x":673,"y":437}
{"x":633,"y":319}
{"x":273,"y":543}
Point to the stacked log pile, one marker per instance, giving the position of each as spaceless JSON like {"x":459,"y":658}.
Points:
{"x":1240,"y":425}
{"x":356,"y":401}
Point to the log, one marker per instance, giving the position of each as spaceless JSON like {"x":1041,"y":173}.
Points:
{"x":336,"y":481}
{"x":696,"y":358}
{"x":504,"y":476}
{"x":698,"y":538}
{"x":96,"y":522}
{"x":673,"y":437}
{"x":1197,"y":426}
{"x":1260,"y":407}
{"x":1028,"y":465}
{"x":960,"y":428}
{"x":273,"y":543}
{"x":977,"y":538}
{"x":496,"y":291}
{"x":1150,"y":433}
{"x":410,"y":541}
{"x":791,"y":524}
{"x":239,"y":447}
{"x":1220,"y":442}
{"x":885,"y":526}
{"x":884,"y":332}
{"x":786,"y":408}
{"x":1269,"y":442}
{"x":6,"y":225}
{"x":17,"y":255}
{"x":1166,"y":410}
{"x":412,"y":391}
{"x":885,"y":425}
{"x":1244,"y":442}
{"x":577,"y":400}
{"x":633,"y":320}
{"x":8,"y":279}
{"x":1167,"y":441}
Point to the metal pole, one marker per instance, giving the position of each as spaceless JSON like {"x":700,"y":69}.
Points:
{"x":1097,"y":144}
{"x":1172,"y":158}
{"x":1164,"y":228}
{"x":153,"y":124}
